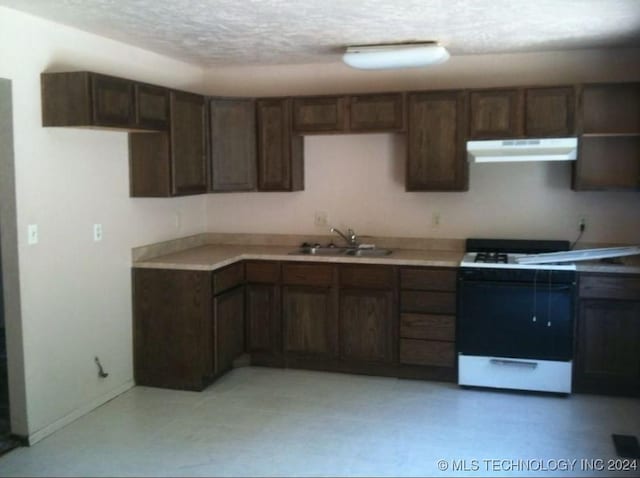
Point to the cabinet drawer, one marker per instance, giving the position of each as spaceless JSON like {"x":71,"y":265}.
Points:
{"x":367,"y":277}
{"x":430,"y":327}
{"x":307,"y":274}
{"x":263,"y":272}
{"x":428,"y":279}
{"x":228,"y":278}
{"x":429,"y":302}
{"x":427,"y":352}
{"x":609,"y":287}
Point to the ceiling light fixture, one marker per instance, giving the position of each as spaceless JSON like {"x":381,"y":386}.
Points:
{"x":395,"y":55}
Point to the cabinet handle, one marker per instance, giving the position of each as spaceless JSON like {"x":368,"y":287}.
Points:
{"x":514,"y":363}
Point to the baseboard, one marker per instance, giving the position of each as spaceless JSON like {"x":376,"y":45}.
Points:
{"x":35,"y":437}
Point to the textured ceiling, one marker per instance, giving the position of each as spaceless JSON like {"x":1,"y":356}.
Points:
{"x":226,"y":32}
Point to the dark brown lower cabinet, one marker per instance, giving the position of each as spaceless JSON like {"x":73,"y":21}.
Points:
{"x":608,"y":336}
{"x":366,"y":325}
{"x":608,"y":360}
{"x":172,"y":328}
{"x":427,"y":323}
{"x":309,"y":322}
{"x":228,"y":329}
{"x":263,"y":313}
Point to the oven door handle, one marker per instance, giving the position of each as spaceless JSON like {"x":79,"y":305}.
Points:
{"x":514,"y":363}
{"x":542,"y":285}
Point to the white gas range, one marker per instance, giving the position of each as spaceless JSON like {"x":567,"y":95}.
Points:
{"x":515,"y":320}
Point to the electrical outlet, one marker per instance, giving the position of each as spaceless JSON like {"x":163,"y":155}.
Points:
{"x":582,"y":224}
{"x":32,"y":234}
{"x":321,"y":218}
{"x":435,"y":219}
{"x":97,"y":232}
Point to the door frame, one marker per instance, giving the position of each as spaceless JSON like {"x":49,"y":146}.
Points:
{"x":10,"y":269}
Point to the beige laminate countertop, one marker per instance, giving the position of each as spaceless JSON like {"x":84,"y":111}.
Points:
{"x":212,"y":257}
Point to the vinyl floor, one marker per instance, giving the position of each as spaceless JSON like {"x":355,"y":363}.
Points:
{"x":274,"y":422}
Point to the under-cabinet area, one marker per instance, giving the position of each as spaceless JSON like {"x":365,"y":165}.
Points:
{"x":352,"y":317}
{"x":194,"y":144}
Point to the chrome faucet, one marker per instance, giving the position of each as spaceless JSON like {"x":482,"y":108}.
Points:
{"x":350,"y":237}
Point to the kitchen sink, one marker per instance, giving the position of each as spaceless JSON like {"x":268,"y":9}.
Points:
{"x":375,"y":252}
{"x":342,"y":251}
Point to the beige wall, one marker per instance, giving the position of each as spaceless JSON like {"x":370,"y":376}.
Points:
{"x":478,"y":71}
{"x":358,"y":179}
{"x":76,"y":294}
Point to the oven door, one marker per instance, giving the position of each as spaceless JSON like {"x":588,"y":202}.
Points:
{"x":518,"y":320}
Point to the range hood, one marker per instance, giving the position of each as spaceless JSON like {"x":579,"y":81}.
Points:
{"x":518,"y":150}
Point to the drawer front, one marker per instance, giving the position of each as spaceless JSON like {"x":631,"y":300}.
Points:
{"x":429,"y":302}
{"x":427,"y":352}
{"x":367,"y":277}
{"x":428,"y":279}
{"x":307,"y":274}
{"x":263,"y":272}
{"x":609,"y":287}
{"x":228,"y":278}
{"x":428,"y":327}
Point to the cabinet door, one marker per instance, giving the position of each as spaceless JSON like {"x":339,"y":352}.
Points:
{"x":310,"y":325}
{"x":549,"y":112}
{"x":280,"y":161}
{"x":172,"y":328}
{"x":376,"y":112}
{"x":608,"y":163}
{"x":366,"y":325}
{"x":228,"y":336}
{"x":495,"y":114}
{"x":263,"y":319}
{"x":152,"y":107}
{"x":319,"y":115}
{"x":608,"y":352}
{"x":232,"y":145}
{"x":113,"y":101}
{"x":149,"y":165}
{"x":188,"y":145}
{"x":611,"y":108}
{"x":436,"y":148}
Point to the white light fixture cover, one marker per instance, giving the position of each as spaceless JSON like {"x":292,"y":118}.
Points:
{"x":402,"y":55}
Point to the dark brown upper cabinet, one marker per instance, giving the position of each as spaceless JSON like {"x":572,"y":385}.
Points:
{"x":324,"y":114}
{"x":495,"y":114}
{"x":188,"y":143}
{"x":232,"y":138}
{"x":280,"y":152}
{"x":379,"y":112}
{"x":173,"y":163}
{"x":436,"y":151}
{"x":86,"y":99}
{"x":152,"y":106}
{"x":609,"y":151}
{"x":611,"y":109}
{"x":549,"y":112}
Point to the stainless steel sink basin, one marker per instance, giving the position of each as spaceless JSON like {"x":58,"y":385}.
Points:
{"x":321,"y":251}
{"x":342,"y":251}
{"x":375,"y":252}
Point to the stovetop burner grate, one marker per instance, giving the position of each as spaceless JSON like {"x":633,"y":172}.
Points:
{"x":491,"y":257}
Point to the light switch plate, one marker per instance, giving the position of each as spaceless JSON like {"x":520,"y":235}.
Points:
{"x":32,"y":234}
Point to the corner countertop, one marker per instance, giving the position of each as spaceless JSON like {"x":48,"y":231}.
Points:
{"x":208,"y":252}
{"x":212,"y":257}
